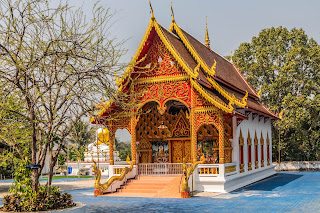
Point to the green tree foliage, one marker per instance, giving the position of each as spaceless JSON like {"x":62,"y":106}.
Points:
{"x":285,"y":66}
{"x":82,"y":134}
{"x":124,"y":149}
{"x":55,"y":61}
{"x":15,"y":133}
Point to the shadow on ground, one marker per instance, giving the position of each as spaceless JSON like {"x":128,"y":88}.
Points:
{"x":269,"y":184}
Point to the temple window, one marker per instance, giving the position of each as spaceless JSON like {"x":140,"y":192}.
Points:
{"x":249,"y":144}
{"x":262,"y":150}
{"x":256,"y":150}
{"x":241,"y":143}
{"x":268,"y":150}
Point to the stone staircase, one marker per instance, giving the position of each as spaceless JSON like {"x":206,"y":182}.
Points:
{"x":150,"y":186}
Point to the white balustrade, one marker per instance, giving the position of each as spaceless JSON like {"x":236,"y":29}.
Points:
{"x":161,"y":168}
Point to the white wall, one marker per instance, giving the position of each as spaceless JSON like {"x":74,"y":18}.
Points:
{"x":253,"y":125}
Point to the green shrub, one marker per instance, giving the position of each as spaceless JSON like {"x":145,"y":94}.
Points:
{"x":38,"y":201}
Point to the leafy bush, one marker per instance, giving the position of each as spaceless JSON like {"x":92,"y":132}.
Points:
{"x":38,"y":201}
{"x":23,"y":198}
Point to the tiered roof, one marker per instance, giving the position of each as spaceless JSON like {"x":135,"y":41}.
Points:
{"x":214,"y":77}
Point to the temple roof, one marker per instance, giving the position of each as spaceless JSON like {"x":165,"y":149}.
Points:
{"x":214,"y":77}
{"x":226,"y":72}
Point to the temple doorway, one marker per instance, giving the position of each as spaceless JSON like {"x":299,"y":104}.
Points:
{"x":180,"y":149}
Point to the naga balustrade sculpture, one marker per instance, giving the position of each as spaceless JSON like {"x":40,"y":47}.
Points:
{"x":101,"y":187}
{"x":185,"y":189}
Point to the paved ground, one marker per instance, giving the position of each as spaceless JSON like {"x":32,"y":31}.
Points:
{"x":62,"y":183}
{"x":286,"y":192}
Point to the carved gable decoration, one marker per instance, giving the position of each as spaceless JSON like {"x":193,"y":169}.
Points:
{"x":182,"y":127}
{"x":159,"y":61}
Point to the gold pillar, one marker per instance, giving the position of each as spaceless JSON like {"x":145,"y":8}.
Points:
{"x":221,"y":139}
{"x":111,"y":144}
{"x":133,"y":139}
{"x":193,"y":138}
{"x":193,"y":128}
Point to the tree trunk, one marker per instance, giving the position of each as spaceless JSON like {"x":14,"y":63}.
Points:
{"x":34,"y":173}
{"x":50,"y":171}
{"x":53,"y":161}
{"x":35,"y":179}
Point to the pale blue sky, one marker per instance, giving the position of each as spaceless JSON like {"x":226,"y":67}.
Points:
{"x":229,"y":22}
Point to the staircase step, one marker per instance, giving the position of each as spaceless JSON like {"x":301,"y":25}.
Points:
{"x":150,"y":181}
{"x":138,"y":190}
{"x":150,"y":186}
{"x":142,"y":184}
{"x":135,"y":186}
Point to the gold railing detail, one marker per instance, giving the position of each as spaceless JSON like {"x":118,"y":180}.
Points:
{"x":230,"y":169}
{"x":117,"y":171}
{"x":208,"y":171}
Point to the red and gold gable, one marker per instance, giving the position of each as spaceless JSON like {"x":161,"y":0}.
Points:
{"x":159,"y":62}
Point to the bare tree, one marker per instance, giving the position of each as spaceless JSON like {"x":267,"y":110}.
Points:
{"x":57,"y":62}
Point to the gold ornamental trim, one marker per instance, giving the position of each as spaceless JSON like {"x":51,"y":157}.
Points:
{"x":206,"y":109}
{"x":230,"y":169}
{"x":152,"y":80}
{"x":241,"y":103}
{"x":222,"y":106}
{"x":211,"y":71}
{"x":193,"y":52}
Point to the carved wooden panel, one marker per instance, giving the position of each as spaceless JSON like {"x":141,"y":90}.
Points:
{"x":144,"y":157}
{"x":187,"y":151}
{"x":181,"y":127}
{"x":177,"y":151}
{"x":150,"y":120}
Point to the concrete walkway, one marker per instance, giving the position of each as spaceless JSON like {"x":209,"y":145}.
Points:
{"x":286,"y":192}
{"x":64,"y":186}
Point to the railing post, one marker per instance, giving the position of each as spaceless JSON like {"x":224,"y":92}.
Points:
{"x":166,"y":169}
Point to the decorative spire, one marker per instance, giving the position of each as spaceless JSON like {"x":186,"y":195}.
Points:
{"x":206,"y":39}
{"x":231,"y":57}
{"x":151,"y":10}
{"x":172,"y":14}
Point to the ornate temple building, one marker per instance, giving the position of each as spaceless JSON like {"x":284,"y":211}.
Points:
{"x":184,"y":101}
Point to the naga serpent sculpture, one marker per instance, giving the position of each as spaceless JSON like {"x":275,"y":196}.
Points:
{"x":101,"y":187}
{"x":185,"y":189}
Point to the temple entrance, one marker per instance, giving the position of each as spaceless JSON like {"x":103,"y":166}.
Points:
{"x":163,"y":139}
{"x":180,"y":149}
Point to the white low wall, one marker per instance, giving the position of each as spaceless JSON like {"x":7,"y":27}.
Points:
{"x":298,"y":166}
{"x":224,"y":183}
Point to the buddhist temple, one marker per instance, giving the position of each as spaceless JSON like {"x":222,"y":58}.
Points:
{"x":190,"y":112}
